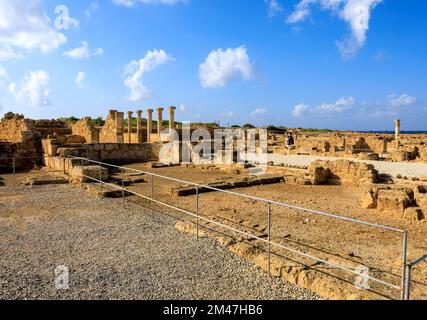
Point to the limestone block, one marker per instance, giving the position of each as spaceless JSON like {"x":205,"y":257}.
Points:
{"x":319,"y":175}
{"x":394,"y":202}
{"x":369,"y":201}
{"x":84,"y":173}
{"x":413,"y":214}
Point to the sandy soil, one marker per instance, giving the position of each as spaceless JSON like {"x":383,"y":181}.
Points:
{"x":348,"y":244}
{"x":341,"y":242}
{"x":115,"y":250}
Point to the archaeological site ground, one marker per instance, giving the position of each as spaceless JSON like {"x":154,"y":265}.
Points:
{"x":141,"y":208}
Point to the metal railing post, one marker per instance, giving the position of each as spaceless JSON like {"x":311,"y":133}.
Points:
{"x":123,"y":186}
{"x":100,"y":177}
{"x":69,"y":169}
{"x":404,"y":258}
{"x":14,"y":173}
{"x":269,"y":239}
{"x":152,"y":193}
{"x":197,"y":212}
{"x":407,"y":295}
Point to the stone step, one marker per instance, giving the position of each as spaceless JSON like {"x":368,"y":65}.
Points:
{"x":45,"y":180}
{"x":227,"y":185}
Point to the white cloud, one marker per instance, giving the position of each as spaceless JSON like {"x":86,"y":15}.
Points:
{"x":135,"y":71}
{"x":98,"y":52}
{"x":4,"y":76}
{"x":403,"y":100}
{"x":341,"y":105}
{"x":4,"y":81}
{"x":93,"y":7}
{"x":221,"y":67}
{"x":24,"y":25}
{"x":131,"y":3}
{"x":300,"y":109}
{"x":7,"y":53}
{"x":258,"y":112}
{"x":83,"y":52}
{"x":34,"y":89}
{"x":357,"y":14}
{"x":81,"y":77}
{"x":274,"y":7}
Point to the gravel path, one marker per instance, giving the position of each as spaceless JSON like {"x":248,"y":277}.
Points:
{"x":116,"y":251}
{"x":391,"y":168}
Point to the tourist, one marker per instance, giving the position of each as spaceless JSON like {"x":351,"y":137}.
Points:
{"x":291,"y":141}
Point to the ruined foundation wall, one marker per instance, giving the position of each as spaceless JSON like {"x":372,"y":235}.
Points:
{"x":113,"y":129}
{"x":109,"y":152}
{"x":12,"y":127}
{"x":86,"y":129}
{"x":343,"y":171}
{"x":51,"y":127}
{"x":18,"y":140}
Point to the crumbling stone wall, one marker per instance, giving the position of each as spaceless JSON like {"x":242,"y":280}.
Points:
{"x":13,"y":126}
{"x":18,"y":140}
{"x":343,"y":172}
{"x":401,"y":202}
{"x":112,"y":131}
{"x":423,"y":154}
{"x":86,"y":129}
{"x":109,"y":152}
{"x":51,"y":127}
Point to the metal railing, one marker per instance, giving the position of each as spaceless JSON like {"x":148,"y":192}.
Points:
{"x":402,"y":287}
{"x":36,"y":160}
{"x":409,"y":269}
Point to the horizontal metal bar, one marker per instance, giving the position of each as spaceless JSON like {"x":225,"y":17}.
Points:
{"x":252,"y":236}
{"x":419,"y":260}
{"x":374,"y":225}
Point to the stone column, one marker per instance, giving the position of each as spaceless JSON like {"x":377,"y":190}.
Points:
{"x":397,"y":124}
{"x":139,"y":125}
{"x":159,"y":121}
{"x":119,"y":124}
{"x":100,"y":121}
{"x":149,"y":124}
{"x":130,"y":113}
{"x":172,"y":118}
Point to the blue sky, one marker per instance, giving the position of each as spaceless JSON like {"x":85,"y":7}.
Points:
{"x":339,"y":64}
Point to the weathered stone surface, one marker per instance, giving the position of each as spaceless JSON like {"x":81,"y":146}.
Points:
{"x":414,"y":214}
{"x":66,"y":152}
{"x":319,"y":174}
{"x":45,"y":180}
{"x":225,"y":185}
{"x":348,"y":172}
{"x":369,"y":201}
{"x":113,"y":129}
{"x":103,"y":191}
{"x":299,"y":180}
{"x":369,"y":156}
{"x":394,"y":202}
{"x":85,"y":173}
{"x":87,"y":130}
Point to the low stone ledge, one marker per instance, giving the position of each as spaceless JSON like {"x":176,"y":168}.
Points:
{"x":227,"y":185}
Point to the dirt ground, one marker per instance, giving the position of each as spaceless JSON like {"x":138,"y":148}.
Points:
{"x":115,"y":250}
{"x":345,"y":243}
{"x":348,"y":244}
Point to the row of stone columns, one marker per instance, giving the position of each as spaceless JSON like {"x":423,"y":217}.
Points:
{"x":150,"y":123}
